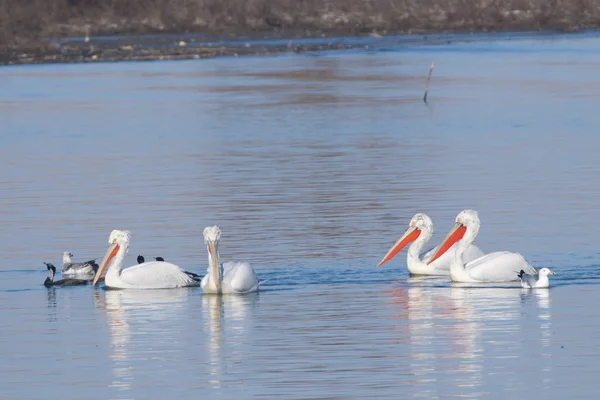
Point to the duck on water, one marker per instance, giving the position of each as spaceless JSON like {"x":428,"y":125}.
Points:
{"x":49,"y":282}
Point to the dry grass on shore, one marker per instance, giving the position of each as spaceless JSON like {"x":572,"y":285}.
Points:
{"x":24,"y":22}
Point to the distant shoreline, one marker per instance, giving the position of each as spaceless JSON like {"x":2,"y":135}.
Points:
{"x":25,"y":27}
{"x":198,"y":46}
{"x":24,"y":24}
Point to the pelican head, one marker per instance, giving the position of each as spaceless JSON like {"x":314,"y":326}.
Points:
{"x":546,"y":272}
{"x":118,"y":239}
{"x":419,"y":225}
{"x":212,"y":234}
{"x":67,"y":257}
{"x":470,"y":219}
{"x":467,"y":223}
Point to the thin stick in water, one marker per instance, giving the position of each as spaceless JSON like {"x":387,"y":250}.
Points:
{"x":427,"y":84}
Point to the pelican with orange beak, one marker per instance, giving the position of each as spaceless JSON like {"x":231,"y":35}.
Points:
{"x":148,"y":275}
{"x":499,"y":266}
{"x":230,"y":277}
{"x":419,"y":232}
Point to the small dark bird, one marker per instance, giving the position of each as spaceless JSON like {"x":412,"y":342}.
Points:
{"x":159,"y":259}
{"x":49,"y":282}
{"x":140,"y":259}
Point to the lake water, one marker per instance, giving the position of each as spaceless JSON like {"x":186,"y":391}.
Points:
{"x":312,"y":166}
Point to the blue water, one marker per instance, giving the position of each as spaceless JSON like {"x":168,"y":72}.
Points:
{"x":312,"y":167}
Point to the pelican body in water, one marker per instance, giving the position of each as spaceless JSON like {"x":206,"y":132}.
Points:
{"x":49,"y":282}
{"x":419,"y":232}
{"x":499,"y":266}
{"x":148,"y":275}
{"x":231,"y":277}
{"x":534,"y":282}
{"x":82,"y":268}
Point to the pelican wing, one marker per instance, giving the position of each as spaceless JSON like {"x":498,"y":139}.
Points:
{"x":240,"y":276}
{"x":473,"y":253}
{"x":500,"y":266}
{"x":445,"y":260}
{"x":156,"y":275}
{"x":427,"y":254}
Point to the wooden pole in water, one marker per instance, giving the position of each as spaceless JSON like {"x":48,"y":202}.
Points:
{"x":427,"y":84}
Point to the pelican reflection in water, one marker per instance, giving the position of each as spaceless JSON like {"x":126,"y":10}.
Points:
{"x":220,"y":313}
{"x":458,"y":325}
{"x":131,"y":312}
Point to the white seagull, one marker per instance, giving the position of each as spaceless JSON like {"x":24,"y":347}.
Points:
{"x":148,"y":275}
{"x":231,"y":277}
{"x":533,"y":282}
{"x":499,"y":266}
{"x":82,"y":268}
{"x":419,"y":232}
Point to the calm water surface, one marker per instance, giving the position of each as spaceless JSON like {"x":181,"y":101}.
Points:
{"x":312,"y":167}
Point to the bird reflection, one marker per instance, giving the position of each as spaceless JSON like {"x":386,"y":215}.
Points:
{"x":127,"y":308}
{"x":213,"y":309}
{"x":222,"y":313}
{"x":542,"y":299}
{"x":51,"y":297}
{"x":449,"y":323}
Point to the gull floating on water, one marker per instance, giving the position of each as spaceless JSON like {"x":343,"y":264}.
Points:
{"x":499,"y":266}
{"x":49,"y":282}
{"x":419,"y":232}
{"x":149,"y":275}
{"x":231,"y":277}
{"x":533,"y":282}
{"x":82,"y":268}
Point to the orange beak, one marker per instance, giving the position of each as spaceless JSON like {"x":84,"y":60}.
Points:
{"x":455,"y":234}
{"x":112,"y":251}
{"x":412,"y":233}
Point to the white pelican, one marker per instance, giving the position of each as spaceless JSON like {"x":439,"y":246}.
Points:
{"x":149,"y":275}
{"x":49,"y":282}
{"x":533,"y":282}
{"x":231,"y":277}
{"x":499,"y":266}
{"x":419,"y":232}
{"x":82,"y":268}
